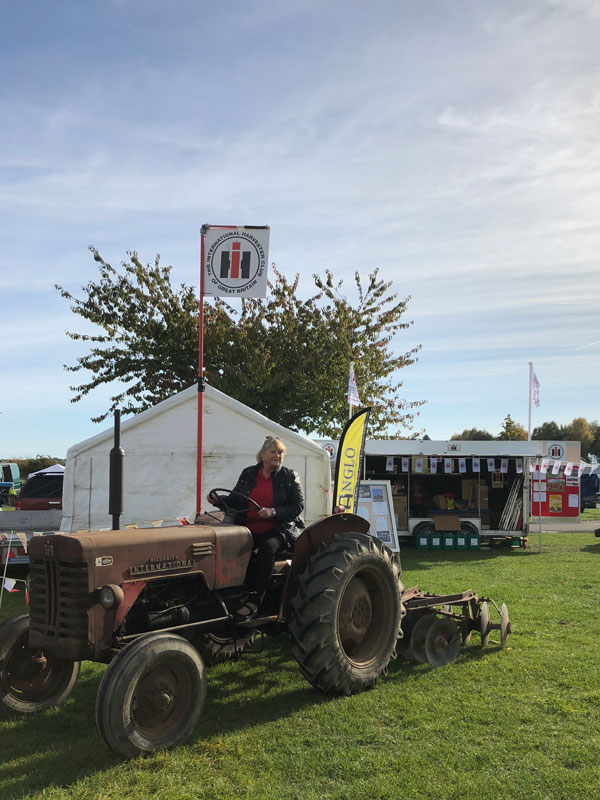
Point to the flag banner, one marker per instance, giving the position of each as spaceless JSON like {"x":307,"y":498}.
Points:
{"x":235,"y":260}
{"x":491,"y":464}
{"x":447,"y":465}
{"x":504,"y":465}
{"x":418,"y":464}
{"x":532,"y":466}
{"x":568,"y":468}
{"x":353,"y":399}
{"x":389,"y":464}
{"x":404,"y":463}
{"x":535,"y":389}
{"x":22,"y":537}
{"x":519,"y":466}
{"x":556,"y":467}
{"x":476,"y":465}
{"x":349,"y":461}
{"x":462,"y":465}
{"x":433,"y":465}
{"x":544,"y":466}
{"x":9,"y":585}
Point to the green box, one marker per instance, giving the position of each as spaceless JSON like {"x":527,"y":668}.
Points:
{"x":473,"y":541}
{"x":460,"y":541}
{"x":448,"y":541}
{"x":422,"y":541}
{"x":435,"y":541}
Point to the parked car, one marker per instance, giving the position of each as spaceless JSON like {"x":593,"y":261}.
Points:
{"x":41,"y":493}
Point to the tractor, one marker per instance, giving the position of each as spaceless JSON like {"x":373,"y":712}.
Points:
{"x":157,"y":605}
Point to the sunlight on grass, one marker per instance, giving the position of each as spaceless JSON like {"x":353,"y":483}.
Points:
{"x":523,"y":722}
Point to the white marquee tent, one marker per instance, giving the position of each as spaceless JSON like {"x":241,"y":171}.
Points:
{"x":160,"y":462}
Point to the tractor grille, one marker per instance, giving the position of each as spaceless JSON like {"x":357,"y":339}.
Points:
{"x":59,"y":599}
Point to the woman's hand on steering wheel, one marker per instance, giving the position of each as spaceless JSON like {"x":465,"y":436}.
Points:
{"x":216,"y":494}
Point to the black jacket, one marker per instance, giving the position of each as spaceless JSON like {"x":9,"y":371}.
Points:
{"x":288,"y":499}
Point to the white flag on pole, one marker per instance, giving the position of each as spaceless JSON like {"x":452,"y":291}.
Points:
{"x":353,"y":399}
{"x":535,"y":389}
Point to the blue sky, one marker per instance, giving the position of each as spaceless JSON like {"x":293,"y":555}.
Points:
{"x":453,"y":145}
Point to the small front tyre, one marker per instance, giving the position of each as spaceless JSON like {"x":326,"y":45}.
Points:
{"x":151,"y":696}
{"x":346,"y":614}
{"x":30,"y":680}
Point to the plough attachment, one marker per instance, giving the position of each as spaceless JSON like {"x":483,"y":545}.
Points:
{"x":436,"y":625}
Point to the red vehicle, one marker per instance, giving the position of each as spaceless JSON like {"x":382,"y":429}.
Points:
{"x":41,"y":493}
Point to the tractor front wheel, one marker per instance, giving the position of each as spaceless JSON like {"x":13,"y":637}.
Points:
{"x":151,"y":696}
{"x":346,"y":614}
{"x":30,"y":680}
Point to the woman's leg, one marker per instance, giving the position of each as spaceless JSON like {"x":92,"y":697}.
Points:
{"x":261,"y":566}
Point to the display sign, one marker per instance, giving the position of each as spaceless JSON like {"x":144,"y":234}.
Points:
{"x":376,"y":506}
{"x":235,"y":261}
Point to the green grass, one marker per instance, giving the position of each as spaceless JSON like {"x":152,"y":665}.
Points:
{"x":523,"y":722}
{"x":590,"y":514}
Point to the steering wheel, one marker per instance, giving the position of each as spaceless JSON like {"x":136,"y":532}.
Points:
{"x":225,"y":505}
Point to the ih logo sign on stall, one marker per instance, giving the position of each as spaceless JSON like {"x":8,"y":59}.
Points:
{"x":556,"y":451}
{"x":235,"y":261}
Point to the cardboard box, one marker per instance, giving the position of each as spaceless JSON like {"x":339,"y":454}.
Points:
{"x":440,"y":502}
{"x":448,"y":522}
{"x":400,"y":511}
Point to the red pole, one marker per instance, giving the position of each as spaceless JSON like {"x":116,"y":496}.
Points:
{"x":200,"y":378}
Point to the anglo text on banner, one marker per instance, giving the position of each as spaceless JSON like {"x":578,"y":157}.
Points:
{"x":349,"y":461}
{"x":235,"y":260}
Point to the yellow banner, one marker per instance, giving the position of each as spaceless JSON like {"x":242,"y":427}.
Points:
{"x":349,"y":461}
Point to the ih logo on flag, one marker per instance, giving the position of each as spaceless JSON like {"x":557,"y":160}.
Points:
{"x":235,"y":262}
{"x":232,"y":261}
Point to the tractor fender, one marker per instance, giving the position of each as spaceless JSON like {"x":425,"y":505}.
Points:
{"x":308,"y":543}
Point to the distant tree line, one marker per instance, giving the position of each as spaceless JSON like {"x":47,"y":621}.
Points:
{"x":29,"y":465}
{"x":579,"y":430}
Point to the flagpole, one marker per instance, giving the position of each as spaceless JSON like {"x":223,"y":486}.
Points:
{"x":199,"y":424}
{"x":350,"y":406}
{"x":530,"y":393}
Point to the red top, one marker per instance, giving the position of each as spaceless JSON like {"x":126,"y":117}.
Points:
{"x":263,"y":495}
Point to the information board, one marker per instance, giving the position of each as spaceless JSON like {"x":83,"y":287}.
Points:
{"x":376,"y":506}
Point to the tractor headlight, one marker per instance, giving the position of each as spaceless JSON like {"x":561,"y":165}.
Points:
{"x":110,"y":596}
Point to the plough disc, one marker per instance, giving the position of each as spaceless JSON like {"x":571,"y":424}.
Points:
{"x":505,"y":625}
{"x":418,"y":636}
{"x":484,"y":623}
{"x":442,"y":642}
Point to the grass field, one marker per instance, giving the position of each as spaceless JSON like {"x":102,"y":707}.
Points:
{"x":523,"y":722}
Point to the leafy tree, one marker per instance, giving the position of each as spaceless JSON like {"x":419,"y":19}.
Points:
{"x":472,"y":434}
{"x":548,"y":431}
{"x":512,"y":431}
{"x":579,"y":431}
{"x":285,"y":357}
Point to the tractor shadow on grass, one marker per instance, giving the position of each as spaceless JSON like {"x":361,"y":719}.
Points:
{"x":592,"y":548}
{"x":55,"y":748}
{"x":61,"y":746}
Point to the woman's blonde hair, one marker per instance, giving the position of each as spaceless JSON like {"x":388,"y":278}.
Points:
{"x":270,"y":443}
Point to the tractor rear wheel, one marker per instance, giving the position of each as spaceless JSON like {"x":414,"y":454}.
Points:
{"x":30,"y":680}
{"x":151,"y":696}
{"x":346,"y":614}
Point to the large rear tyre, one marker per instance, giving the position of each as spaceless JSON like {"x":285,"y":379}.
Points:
{"x":151,"y":696}
{"x":346,"y":614}
{"x":30,"y":680}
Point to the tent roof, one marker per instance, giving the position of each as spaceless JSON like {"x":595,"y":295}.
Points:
{"x":185,"y":396}
{"x":55,"y":469}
